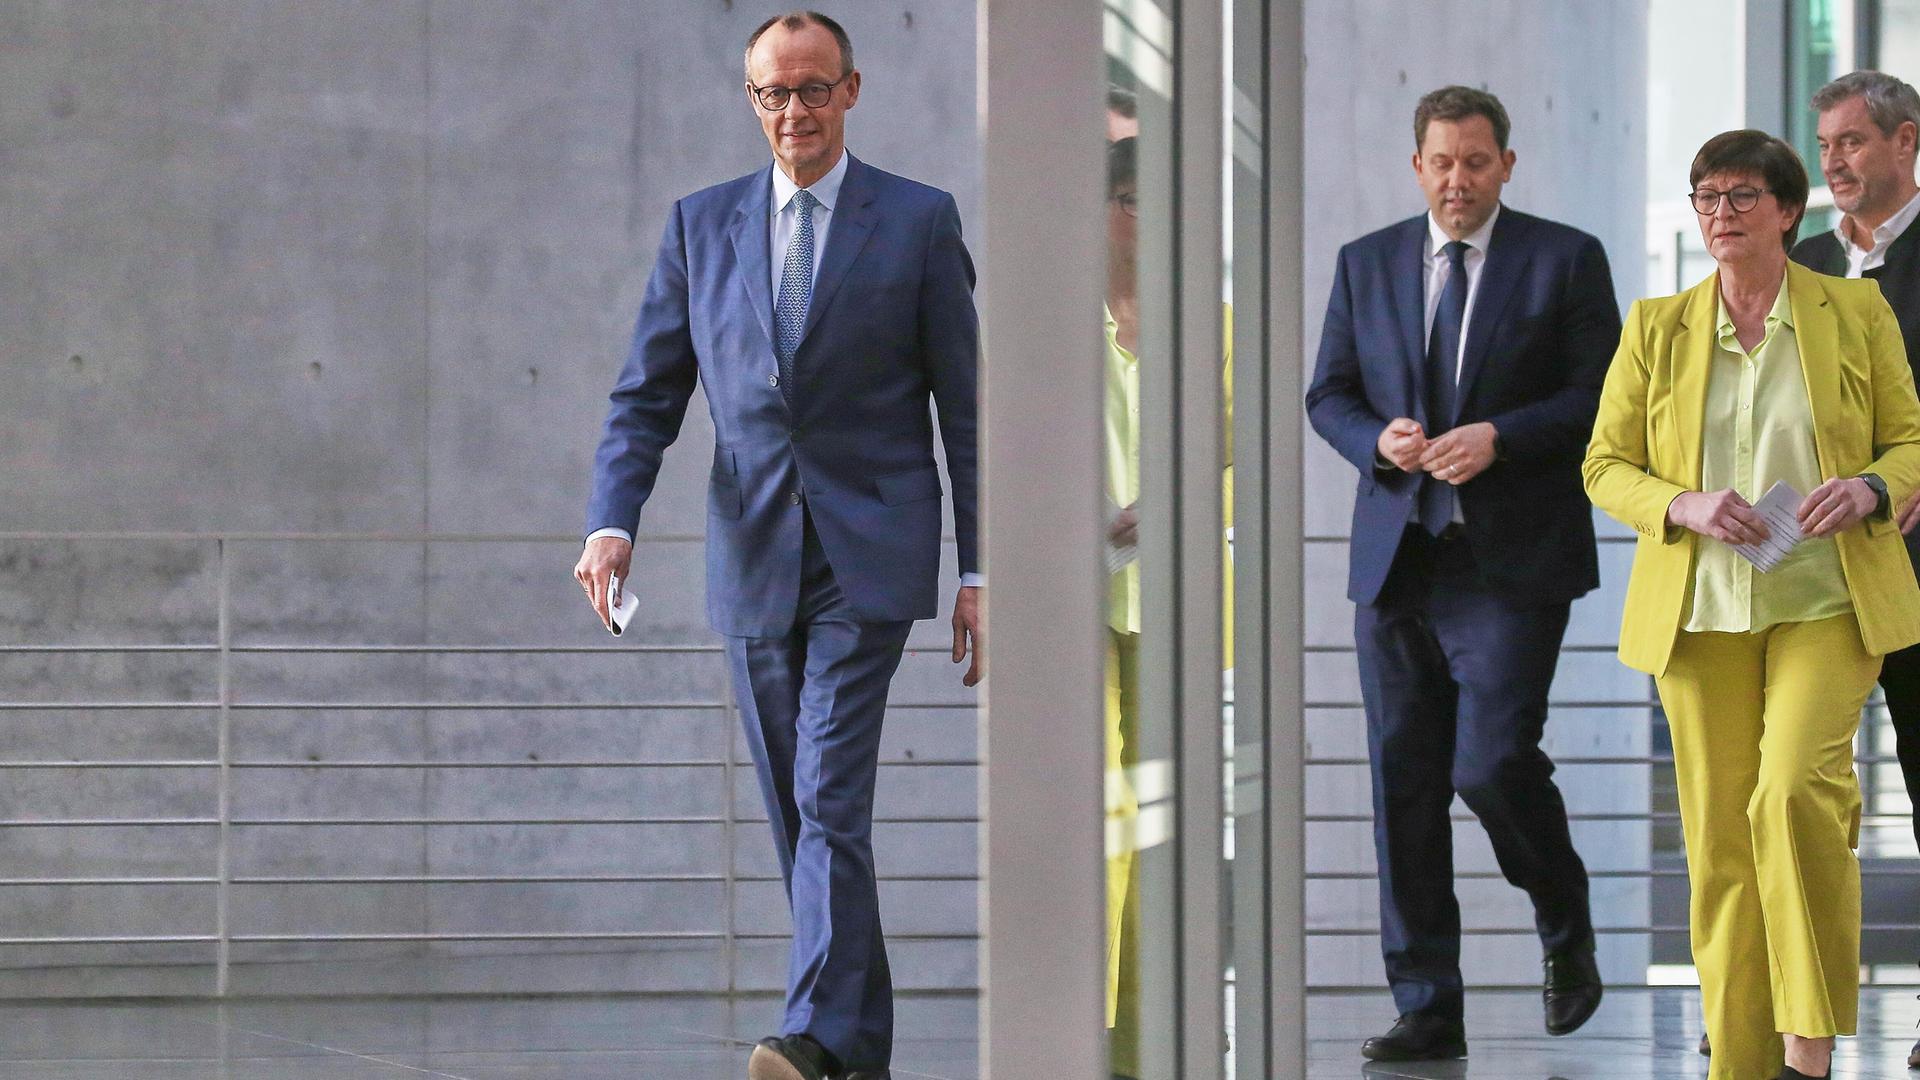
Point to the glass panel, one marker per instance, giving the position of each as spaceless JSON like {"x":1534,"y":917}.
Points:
{"x":1142,"y":732}
{"x":1245,"y":839}
{"x":1820,"y":39}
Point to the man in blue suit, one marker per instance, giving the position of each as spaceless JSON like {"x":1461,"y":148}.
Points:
{"x":822,"y":305}
{"x":1460,"y":371}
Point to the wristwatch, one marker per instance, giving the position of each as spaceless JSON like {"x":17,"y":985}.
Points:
{"x":1879,"y":487}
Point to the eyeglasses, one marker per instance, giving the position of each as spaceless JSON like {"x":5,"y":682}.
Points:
{"x":1707,"y":200}
{"x":813,"y":95}
{"x":1129,"y":203}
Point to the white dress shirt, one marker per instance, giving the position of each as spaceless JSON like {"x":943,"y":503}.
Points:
{"x":1859,"y":259}
{"x":781,"y":222}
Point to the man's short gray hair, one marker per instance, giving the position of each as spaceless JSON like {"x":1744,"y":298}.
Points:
{"x":1890,"y":102}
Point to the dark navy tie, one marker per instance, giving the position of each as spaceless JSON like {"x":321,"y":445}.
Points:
{"x":796,"y":290}
{"x":1443,"y":358}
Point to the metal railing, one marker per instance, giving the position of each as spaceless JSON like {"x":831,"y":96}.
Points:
{"x":225,"y":764}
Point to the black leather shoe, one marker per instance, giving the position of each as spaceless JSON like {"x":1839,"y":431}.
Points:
{"x":1706,"y":1048}
{"x":1572,"y":989}
{"x":790,"y":1057}
{"x":1788,"y":1072}
{"x":1418,"y":1037}
{"x":883,"y":1074}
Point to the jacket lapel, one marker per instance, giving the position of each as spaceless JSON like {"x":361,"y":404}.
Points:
{"x":852,"y":223}
{"x":1409,"y":277}
{"x":1816,"y":331}
{"x":1507,"y":257}
{"x":1692,"y":352}
{"x":750,"y":259}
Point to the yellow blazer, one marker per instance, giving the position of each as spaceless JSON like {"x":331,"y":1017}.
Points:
{"x":1646,"y":447}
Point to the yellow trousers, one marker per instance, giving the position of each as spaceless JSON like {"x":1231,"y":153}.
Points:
{"x":1123,"y":811}
{"x":1763,"y":727}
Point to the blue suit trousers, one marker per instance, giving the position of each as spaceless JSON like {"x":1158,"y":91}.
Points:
{"x":812,"y":701}
{"x":1455,"y":676}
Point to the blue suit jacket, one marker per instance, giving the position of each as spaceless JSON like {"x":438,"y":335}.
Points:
{"x":891,"y":326}
{"x":1543,"y":328}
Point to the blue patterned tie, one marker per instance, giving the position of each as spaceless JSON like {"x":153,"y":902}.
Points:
{"x":796,"y":290}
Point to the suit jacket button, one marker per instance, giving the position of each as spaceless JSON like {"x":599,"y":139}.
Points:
{"x":795,"y":497}
{"x":773,"y":380}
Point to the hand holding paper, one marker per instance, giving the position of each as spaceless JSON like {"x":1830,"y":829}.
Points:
{"x":622,"y":604}
{"x":1779,"y":508}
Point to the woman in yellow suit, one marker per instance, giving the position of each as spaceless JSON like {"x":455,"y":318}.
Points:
{"x":1764,"y":373}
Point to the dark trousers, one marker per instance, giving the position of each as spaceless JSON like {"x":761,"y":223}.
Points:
{"x":1455,"y":679}
{"x":1900,"y":681}
{"x":812,"y":703}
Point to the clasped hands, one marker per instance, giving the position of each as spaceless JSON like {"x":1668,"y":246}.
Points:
{"x":1725,"y":516}
{"x":1456,"y":457}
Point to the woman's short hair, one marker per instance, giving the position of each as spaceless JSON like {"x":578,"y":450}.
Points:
{"x":1759,"y":154}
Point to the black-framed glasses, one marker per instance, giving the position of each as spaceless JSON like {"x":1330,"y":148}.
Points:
{"x":1129,"y":202}
{"x":1707,"y":200}
{"x":812,"y":95}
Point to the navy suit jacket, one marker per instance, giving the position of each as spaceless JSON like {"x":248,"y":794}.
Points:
{"x":891,"y":329}
{"x":1542,"y":331}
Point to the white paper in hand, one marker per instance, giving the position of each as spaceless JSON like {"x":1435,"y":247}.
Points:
{"x":1779,"y":508}
{"x":623,"y":611}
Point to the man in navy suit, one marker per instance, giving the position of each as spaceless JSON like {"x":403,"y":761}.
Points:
{"x":1460,"y":371}
{"x":822,"y":305}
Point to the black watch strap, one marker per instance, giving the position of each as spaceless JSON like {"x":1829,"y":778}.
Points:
{"x":1879,"y":487}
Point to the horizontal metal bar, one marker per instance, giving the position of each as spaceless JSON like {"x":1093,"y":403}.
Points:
{"x":564,"y":879}
{"x":1643,"y":759}
{"x":551,"y":935}
{"x":352,"y":537}
{"x":1648,"y":816}
{"x":1577,"y":704}
{"x":1657,"y":872}
{"x":897,"y":763}
{"x":422,"y":706}
{"x":452,"y":879}
{"x":469,"y":706}
{"x":339,"y":537}
{"x":103,"y":823}
{"x":147,"y":939}
{"x":76,"y":882}
{"x":1328,"y":539}
{"x":18,"y":706}
{"x":468,"y":822}
{"x":1529,"y":931}
{"x":182,"y":648}
{"x":1328,"y":649}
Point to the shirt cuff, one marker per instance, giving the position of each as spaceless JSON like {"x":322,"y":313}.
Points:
{"x":973,"y":581}
{"x":598,"y":533}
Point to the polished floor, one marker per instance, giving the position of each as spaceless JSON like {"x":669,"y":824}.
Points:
{"x":1638,"y":1035}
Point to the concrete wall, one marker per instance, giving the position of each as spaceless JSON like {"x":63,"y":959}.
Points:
{"x":282,"y":281}
{"x":1573,"y":78}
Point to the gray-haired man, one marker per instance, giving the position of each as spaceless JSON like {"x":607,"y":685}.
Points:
{"x":1869,"y":128}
